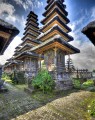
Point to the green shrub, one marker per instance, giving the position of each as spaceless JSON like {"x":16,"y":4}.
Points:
{"x":43,"y":81}
{"x":91,"y":108}
{"x":88,"y":83}
{"x":5,"y":76}
{"x":76,"y":83}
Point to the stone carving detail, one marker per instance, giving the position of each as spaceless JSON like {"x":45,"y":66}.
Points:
{"x":49,"y":59}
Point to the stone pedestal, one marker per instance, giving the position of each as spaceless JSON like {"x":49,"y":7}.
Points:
{"x":63,"y":85}
{"x":29,"y":76}
{"x":2,"y":88}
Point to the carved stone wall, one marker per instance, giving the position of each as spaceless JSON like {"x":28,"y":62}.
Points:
{"x":49,"y":60}
{"x":31,"y":66}
{"x":54,"y":60}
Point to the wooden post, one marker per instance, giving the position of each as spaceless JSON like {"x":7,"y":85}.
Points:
{"x":30,"y":65}
{"x":40,"y":61}
{"x":55,"y":62}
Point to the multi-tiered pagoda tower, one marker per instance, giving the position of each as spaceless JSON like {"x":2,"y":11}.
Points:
{"x":30,"y":59}
{"x":55,"y":40}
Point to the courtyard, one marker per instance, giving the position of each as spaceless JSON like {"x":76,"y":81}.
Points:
{"x":65,"y":105}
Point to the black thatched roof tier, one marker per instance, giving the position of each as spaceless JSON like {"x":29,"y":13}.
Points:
{"x":58,"y":12}
{"x":16,"y":53}
{"x":7,"y":26}
{"x":29,"y":54}
{"x":56,"y":39}
{"x":12,"y":63}
{"x":57,"y":3}
{"x":32,"y":19}
{"x":56,"y":18}
{"x":33,"y":15}
{"x":30,"y":28}
{"x":19,"y":46}
{"x":35,"y":26}
{"x":31,"y":40}
{"x":27,"y":46}
{"x":32,"y":36}
{"x":10,"y":29}
{"x":89,"y":31}
{"x":57,"y":28}
{"x":32,"y":22}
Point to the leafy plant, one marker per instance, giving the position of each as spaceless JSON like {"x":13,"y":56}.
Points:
{"x":77,"y":83}
{"x":91,"y":108}
{"x":88,"y":83}
{"x":43,"y":81}
{"x":5,"y":76}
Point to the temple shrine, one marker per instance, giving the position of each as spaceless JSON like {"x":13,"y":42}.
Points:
{"x":55,"y":40}
{"x":52,"y":43}
{"x":23,"y":59}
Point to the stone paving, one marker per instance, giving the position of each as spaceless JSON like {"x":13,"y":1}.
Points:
{"x":72,"y":107}
{"x":15,"y":102}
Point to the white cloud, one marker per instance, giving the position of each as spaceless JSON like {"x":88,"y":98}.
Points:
{"x":7,"y":12}
{"x":11,"y":18}
{"x":10,"y":50}
{"x":86,"y":58}
{"x":29,"y":4}
{"x":8,"y":8}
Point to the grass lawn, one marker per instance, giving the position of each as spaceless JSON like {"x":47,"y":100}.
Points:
{"x":48,"y":97}
{"x":21,"y":87}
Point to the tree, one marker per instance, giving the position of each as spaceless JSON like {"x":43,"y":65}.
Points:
{"x":69,"y":65}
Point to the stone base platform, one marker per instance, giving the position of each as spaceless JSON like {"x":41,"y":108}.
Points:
{"x":29,"y":90}
{"x":64,"y":85}
{"x":2,"y":90}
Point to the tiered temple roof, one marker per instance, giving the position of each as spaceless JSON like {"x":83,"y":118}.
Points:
{"x":31,"y":29}
{"x":55,"y":30}
{"x":52,"y":43}
{"x":55,"y":21}
{"x":30,"y":35}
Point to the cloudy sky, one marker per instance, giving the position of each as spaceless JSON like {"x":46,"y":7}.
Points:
{"x":81,"y":12}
